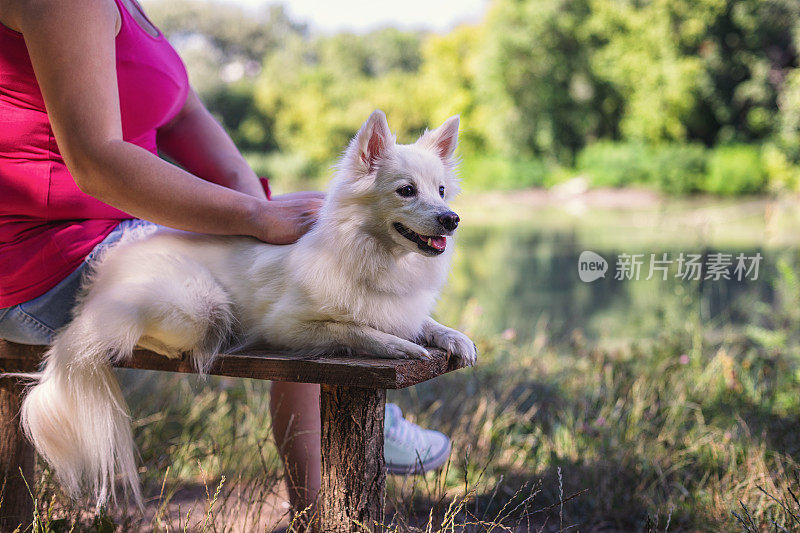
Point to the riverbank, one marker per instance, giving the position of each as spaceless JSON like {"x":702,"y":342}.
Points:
{"x":636,"y":216}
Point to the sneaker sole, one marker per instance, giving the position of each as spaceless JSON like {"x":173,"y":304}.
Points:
{"x":431,"y":463}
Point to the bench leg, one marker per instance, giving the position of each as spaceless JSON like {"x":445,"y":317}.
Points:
{"x":353,"y":468}
{"x":16,"y":504}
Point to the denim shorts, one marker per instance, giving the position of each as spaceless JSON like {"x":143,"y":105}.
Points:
{"x":36,"y":321}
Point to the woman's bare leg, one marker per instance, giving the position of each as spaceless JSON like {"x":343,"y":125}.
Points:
{"x":296,"y":427}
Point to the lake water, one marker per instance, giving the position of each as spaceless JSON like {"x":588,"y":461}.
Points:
{"x":516,"y":265}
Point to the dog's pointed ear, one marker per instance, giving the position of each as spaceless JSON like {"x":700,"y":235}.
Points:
{"x":373,"y":141}
{"x":443,"y":140}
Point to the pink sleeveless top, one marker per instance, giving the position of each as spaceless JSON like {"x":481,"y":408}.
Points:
{"x":47,"y":225}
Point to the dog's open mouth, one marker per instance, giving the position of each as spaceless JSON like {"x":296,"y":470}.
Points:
{"x":430,"y":244}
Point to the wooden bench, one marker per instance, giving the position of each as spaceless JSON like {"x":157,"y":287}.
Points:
{"x":352,"y":404}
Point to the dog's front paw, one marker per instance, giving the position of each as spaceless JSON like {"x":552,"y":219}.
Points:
{"x":457,"y":344}
{"x":403,"y":349}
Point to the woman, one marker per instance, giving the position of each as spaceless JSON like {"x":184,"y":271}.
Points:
{"x":90,"y":91}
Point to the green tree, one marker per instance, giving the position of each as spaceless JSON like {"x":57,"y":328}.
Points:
{"x":223,"y":47}
{"x":234,"y":32}
{"x":748,"y":52}
{"x":449,"y":75}
{"x":708,"y":70}
{"x":540,"y":80}
{"x":318,"y":91}
{"x":638,"y":50}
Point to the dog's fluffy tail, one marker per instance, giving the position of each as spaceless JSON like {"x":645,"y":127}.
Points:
{"x":76,"y":416}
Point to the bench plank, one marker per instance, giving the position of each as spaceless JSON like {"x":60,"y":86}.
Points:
{"x":353,"y":371}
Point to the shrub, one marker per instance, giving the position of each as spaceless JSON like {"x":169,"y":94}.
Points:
{"x":735,"y":169}
{"x":782,"y":174}
{"x":678,"y":168}
{"x":610,"y":164}
{"x":497,"y":172}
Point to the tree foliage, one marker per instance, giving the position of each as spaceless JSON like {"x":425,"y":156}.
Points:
{"x":539,"y":79}
{"x":539,"y":73}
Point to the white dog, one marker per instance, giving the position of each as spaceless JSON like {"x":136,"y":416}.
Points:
{"x":364,"y":279}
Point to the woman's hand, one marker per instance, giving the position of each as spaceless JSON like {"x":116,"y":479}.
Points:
{"x":286,"y":218}
{"x":300,"y":195}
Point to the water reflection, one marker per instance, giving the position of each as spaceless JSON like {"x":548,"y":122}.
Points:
{"x":524,"y":278}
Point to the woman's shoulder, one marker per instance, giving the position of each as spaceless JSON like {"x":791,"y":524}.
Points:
{"x":17,"y":14}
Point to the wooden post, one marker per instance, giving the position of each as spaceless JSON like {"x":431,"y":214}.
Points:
{"x":16,"y":461}
{"x":353,"y":467}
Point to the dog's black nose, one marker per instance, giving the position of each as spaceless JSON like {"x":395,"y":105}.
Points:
{"x":448,"y":220}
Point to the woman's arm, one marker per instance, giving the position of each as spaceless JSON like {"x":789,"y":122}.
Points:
{"x":199,"y":143}
{"x":72,"y":49}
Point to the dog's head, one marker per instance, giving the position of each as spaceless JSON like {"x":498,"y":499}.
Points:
{"x":405,"y":189}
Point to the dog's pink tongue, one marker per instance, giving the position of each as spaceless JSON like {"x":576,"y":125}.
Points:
{"x":439,"y":242}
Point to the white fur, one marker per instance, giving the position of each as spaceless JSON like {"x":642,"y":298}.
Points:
{"x":352,"y":283}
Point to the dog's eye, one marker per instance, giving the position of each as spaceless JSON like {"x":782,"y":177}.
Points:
{"x":407,"y":191}
{"x":441,"y":191}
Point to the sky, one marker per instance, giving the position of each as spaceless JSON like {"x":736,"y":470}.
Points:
{"x":360,"y":16}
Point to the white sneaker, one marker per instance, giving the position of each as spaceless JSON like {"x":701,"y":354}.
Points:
{"x":409,"y":449}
